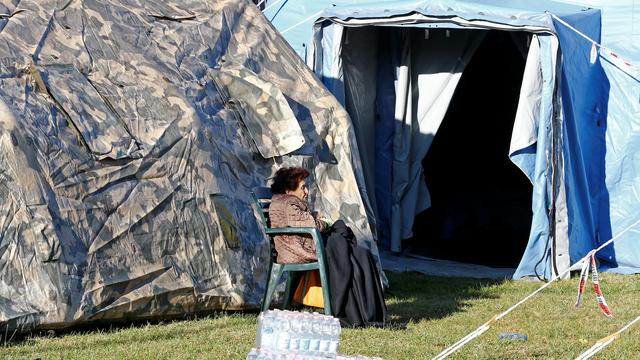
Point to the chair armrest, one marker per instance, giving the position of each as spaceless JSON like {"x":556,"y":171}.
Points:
{"x":292,"y":230}
{"x":315,"y":233}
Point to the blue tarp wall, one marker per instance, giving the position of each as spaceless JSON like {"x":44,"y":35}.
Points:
{"x":619,"y":202}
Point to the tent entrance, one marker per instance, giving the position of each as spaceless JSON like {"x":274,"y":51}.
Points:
{"x":480,"y":201}
{"x":442,"y":100}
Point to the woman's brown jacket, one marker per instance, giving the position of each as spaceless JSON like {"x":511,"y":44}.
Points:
{"x":290,"y":211}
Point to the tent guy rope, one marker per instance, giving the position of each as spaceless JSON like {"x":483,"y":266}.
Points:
{"x":314,"y":16}
{"x":484,"y":327}
{"x":605,"y":341}
{"x":619,"y":60}
{"x":272,"y":5}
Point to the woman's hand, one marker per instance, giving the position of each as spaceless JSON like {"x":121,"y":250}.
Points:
{"x":320,"y":216}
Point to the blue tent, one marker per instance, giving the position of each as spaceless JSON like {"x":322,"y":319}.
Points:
{"x":573,"y":136}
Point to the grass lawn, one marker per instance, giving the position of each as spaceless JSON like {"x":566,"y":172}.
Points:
{"x":439,"y":311}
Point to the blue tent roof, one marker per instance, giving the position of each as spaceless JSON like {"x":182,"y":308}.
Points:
{"x":294,"y":17}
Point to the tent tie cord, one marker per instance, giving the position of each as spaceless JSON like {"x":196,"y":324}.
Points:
{"x":484,"y":327}
{"x":312,"y":17}
{"x":272,"y":5}
{"x":607,"y":51}
{"x":584,"y":275}
{"x":605,"y":341}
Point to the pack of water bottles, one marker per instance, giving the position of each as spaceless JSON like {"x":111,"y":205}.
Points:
{"x":286,"y":334}
{"x":260,"y":354}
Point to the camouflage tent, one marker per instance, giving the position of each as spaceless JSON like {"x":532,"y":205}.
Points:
{"x":131,"y":133}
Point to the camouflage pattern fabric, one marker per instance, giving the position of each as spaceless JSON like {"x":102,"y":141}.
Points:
{"x":131,"y":133}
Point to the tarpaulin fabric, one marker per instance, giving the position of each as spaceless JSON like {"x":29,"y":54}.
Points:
{"x":434,"y":68}
{"x":525,"y":130}
{"x":584,"y":90}
{"x":130,"y":136}
{"x":384,"y":133}
{"x":536,"y":161}
{"x":618,"y":201}
{"x":357,"y":64}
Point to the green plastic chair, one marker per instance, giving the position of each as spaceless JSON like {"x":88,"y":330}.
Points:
{"x":262,"y":198}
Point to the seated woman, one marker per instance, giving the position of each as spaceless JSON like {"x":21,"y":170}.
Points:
{"x":354,"y":281}
{"x":289,"y":209}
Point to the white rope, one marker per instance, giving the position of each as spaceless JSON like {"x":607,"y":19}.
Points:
{"x":453,"y":348}
{"x":260,"y":3}
{"x":314,"y":16}
{"x":595,"y":348}
{"x":602,"y":343}
{"x":594,"y":43}
{"x":629,"y":325}
{"x":484,"y":327}
{"x":574,"y":29}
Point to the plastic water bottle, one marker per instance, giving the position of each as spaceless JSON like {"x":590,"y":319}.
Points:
{"x":268,"y":335}
{"x":259,"y":330}
{"x":335,"y":336}
{"x":262,"y":355}
{"x":253,"y":354}
{"x":305,"y":336}
{"x":284,"y":335}
{"x":325,"y":336}
{"x":316,"y":329}
{"x":512,"y":336}
{"x":296,"y":332}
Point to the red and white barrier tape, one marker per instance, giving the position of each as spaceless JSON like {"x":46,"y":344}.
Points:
{"x":590,"y":262}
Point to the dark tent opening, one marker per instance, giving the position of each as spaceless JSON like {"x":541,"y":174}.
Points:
{"x":481,"y":202}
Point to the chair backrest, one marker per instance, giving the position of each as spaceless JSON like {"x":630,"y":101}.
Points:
{"x":262,"y":199}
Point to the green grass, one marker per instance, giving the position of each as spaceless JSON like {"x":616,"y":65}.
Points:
{"x":439,"y":311}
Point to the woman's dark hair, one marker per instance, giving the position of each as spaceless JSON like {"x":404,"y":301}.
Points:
{"x":288,"y":178}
